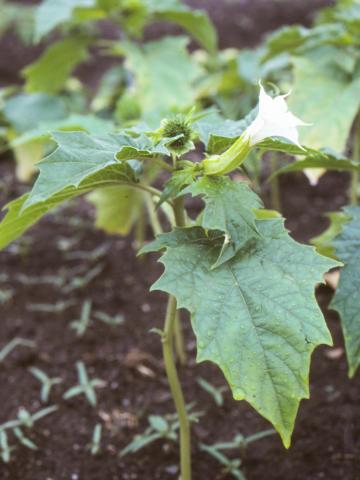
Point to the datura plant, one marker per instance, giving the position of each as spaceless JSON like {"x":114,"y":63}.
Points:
{"x":248,"y":286}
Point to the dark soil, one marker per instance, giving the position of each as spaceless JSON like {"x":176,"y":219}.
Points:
{"x":326,"y":442}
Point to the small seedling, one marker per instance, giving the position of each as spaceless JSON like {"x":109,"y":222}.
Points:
{"x":95,"y":445}
{"x":15,"y":342}
{"x":57,"y":307}
{"x":77,"y":283}
{"x":85,"y":386}
{"x":230,"y":466}
{"x":5,"y":448}
{"x":24,"y":440}
{"x":24,"y":419}
{"x":81,"y":325}
{"x":91,"y":256}
{"x":215,"y":392}
{"x":240,"y":443}
{"x":5,"y":296}
{"x":28,"y":420}
{"x":46,"y":383}
{"x":108,"y":319}
{"x":27,"y":280}
{"x":165,"y":427}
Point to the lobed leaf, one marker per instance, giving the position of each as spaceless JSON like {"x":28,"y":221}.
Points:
{"x":255,"y":316}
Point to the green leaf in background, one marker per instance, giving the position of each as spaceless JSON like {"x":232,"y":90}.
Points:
{"x":229,"y":208}
{"x":196,"y":22}
{"x":50,"y":72}
{"x":323,"y":158}
{"x":26,"y":157}
{"x":325,"y":96}
{"x":74,"y":122}
{"x":324,"y":241}
{"x":51,"y":13}
{"x":21,"y":216}
{"x":117,"y":208}
{"x":26,"y":111}
{"x":298,"y":39}
{"x":347,"y":298}
{"x":255,"y":316}
{"x":164,"y":74}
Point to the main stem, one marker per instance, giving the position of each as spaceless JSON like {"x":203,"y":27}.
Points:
{"x":170,"y":366}
{"x":176,"y":391}
{"x":355,"y":175}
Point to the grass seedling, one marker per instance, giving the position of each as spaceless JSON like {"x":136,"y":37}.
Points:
{"x":5,"y":296}
{"x":24,"y":420}
{"x":57,"y":307}
{"x":28,"y":420}
{"x":160,"y":427}
{"x":81,"y":325}
{"x":240,"y":443}
{"x":24,"y":440}
{"x":108,"y":319}
{"x":215,"y":392}
{"x":91,"y":256}
{"x":15,"y":342}
{"x":85,"y":386}
{"x":77,"y":283}
{"x":95,"y":445}
{"x":231,"y":467}
{"x":5,"y":449}
{"x":46,"y":383}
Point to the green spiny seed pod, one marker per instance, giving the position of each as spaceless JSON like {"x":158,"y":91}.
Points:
{"x":174,"y":127}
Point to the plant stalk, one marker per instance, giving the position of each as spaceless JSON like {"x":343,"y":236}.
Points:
{"x":170,"y":366}
{"x":179,"y":341}
{"x":355,"y":175}
{"x":175,"y":388}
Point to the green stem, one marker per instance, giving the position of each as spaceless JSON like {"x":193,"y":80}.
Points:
{"x":140,"y":229}
{"x":179,"y":212}
{"x":170,"y":365}
{"x":175,"y":388}
{"x":153,"y":216}
{"x":355,"y":175}
{"x":179,"y":341}
{"x":355,"y":180}
{"x":274,"y":184}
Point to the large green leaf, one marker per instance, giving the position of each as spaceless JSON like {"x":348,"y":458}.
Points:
{"x":255,"y":316}
{"x":229,"y":207}
{"x":164,"y":74}
{"x":79,"y":155}
{"x":347,"y":298}
{"x":326,"y":96}
{"x":49,"y":73}
{"x":21,"y":216}
{"x":51,"y":13}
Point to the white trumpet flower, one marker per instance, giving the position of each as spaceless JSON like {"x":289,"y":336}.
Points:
{"x":273,"y":120}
